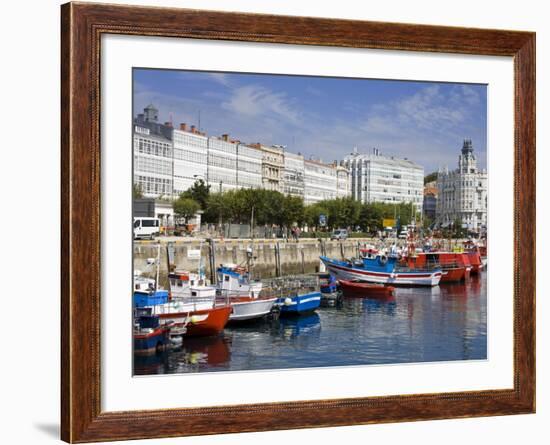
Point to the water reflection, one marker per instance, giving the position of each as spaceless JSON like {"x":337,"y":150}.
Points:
{"x":447,"y":322}
{"x":291,"y":327}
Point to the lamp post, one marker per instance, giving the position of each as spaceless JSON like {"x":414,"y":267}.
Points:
{"x":204,"y":180}
{"x":220,"y":220}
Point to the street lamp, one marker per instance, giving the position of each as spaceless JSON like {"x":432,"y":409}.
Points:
{"x":220,"y":221}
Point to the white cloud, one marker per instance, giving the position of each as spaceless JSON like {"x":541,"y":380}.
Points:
{"x":221,"y":78}
{"x":256,"y":101}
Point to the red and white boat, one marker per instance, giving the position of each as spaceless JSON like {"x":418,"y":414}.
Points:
{"x":382,"y":269}
{"x":455,"y":266}
{"x":193,"y":305}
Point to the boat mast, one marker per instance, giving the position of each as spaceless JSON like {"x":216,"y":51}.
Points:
{"x":158,"y":267}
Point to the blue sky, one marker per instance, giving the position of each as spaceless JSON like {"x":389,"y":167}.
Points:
{"x":323,"y":117}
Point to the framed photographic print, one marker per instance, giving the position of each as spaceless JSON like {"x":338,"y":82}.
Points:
{"x":275,"y":222}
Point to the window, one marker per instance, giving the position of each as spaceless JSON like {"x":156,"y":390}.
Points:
{"x":149,"y":223}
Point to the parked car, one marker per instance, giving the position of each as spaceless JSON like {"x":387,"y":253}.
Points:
{"x":339,"y":234}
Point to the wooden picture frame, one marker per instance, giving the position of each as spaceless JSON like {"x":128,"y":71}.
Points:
{"x":82,"y":26}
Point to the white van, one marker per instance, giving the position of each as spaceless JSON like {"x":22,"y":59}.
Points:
{"x":146,"y":227}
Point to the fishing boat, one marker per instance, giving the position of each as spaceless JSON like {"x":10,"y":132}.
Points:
{"x":475,"y":256}
{"x":455,"y":266}
{"x":382,"y":269}
{"x":330,"y":294}
{"x":149,"y":336}
{"x":475,"y":261}
{"x":243,"y":294}
{"x":193,"y":305}
{"x":297,"y":295}
{"x":299,"y":304}
{"x":327,"y":283}
{"x":188,"y":308}
{"x":366,"y":290}
{"x":191,"y":288}
{"x":236,"y":281}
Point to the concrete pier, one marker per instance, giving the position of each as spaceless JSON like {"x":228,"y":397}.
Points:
{"x":272,"y":257}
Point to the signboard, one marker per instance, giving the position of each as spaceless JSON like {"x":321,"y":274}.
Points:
{"x":322,"y":220}
{"x":388,"y":222}
{"x":194,"y":254}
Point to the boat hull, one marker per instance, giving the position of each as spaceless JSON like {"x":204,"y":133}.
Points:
{"x":151,"y":342}
{"x":250,"y":308}
{"x":395,"y":278}
{"x":201,"y":323}
{"x":453,"y":275}
{"x":299,"y":304}
{"x":366,"y":290}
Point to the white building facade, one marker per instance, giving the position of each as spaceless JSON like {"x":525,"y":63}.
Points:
{"x":462,"y":193}
{"x":293,"y":175}
{"x":379,"y":178}
{"x":320,"y":181}
{"x":222,"y":164}
{"x":190,"y":158}
{"x":343,"y":185}
{"x":152,"y":163}
{"x":249,"y":167}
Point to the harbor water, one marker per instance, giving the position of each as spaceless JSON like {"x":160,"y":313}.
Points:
{"x":442,"y":323}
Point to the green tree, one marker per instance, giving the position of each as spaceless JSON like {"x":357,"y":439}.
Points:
{"x":312,"y":213}
{"x":199,"y":192}
{"x":185,"y":208}
{"x":431,"y":177}
{"x":268,"y":207}
{"x":370,"y":217}
{"x":217,"y":207}
{"x":457,"y":230}
{"x":137,"y":192}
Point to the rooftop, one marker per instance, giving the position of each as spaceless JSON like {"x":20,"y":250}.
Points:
{"x":384,"y":158}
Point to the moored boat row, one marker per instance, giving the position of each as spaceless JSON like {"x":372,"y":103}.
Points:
{"x":193,"y":307}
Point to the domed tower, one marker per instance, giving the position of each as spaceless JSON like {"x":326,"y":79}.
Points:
{"x":467,"y":162}
{"x":151,"y":113}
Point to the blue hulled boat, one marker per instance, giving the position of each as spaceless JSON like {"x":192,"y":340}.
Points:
{"x":328,"y":283}
{"x":382,"y":269}
{"x":295,"y":294}
{"x":149,"y":336}
{"x":299,"y":304}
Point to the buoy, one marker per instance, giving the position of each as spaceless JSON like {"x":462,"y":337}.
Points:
{"x":288,"y":301}
{"x":194,"y":319}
